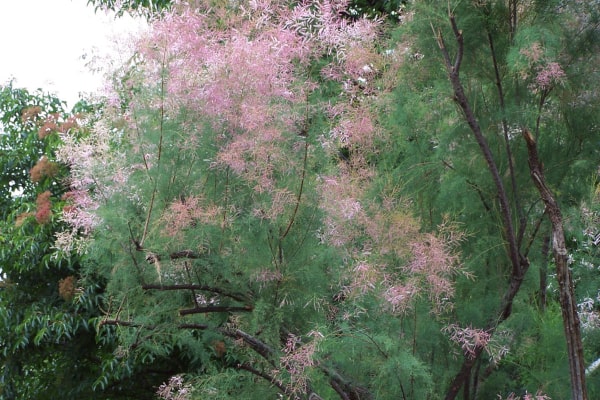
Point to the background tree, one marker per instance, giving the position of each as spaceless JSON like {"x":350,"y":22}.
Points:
{"x":134,"y":7}
{"x":44,"y":317}
{"x":47,"y":337}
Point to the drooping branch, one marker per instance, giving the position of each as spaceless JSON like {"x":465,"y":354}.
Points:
{"x":344,"y":388}
{"x":568,"y":304}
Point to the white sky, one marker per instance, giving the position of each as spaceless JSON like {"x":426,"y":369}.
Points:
{"x":43,"y":42}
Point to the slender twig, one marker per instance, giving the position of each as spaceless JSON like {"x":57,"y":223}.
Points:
{"x":117,"y":322}
{"x":461,"y":99}
{"x":158,"y":158}
{"x":511,"y":167}
{"x":300,"y":190}
{"x":225,"y":206}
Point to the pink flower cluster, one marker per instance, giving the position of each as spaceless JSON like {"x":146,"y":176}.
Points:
{"x":176,"y":389}
{"x":187,"y":212}
{"x":549,"y":75}
{"x":469,"y":339}
{"x":539,"y":395}
{"x":298,"y":358}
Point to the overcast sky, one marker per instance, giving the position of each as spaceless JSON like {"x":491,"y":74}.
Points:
{"x":47,"y":43}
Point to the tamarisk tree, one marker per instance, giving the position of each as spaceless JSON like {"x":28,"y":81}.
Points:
{"x":231,"y":201}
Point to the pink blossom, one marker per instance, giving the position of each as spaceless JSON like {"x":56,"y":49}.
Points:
{"x":365,"y":278}
{"x":175,"y":389}
{"x":400,"y":297}
{"x":186,"y":212}
{"x":549,"y":75}
{"x":79,"y":212}
{"x":298,"y":359}
{"x":534,"y":53}
{"x":539,"y":395}
{"x":470,"y":339}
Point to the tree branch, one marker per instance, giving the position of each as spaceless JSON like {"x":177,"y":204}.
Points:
{"x":255,"y":344}
{"x":117,"y":322}
{"x":235,"y":296}
{"x":211,"y":309}
{"x":509,"y":157}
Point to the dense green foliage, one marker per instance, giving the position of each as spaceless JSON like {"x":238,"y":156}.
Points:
{"x":279,"y":200}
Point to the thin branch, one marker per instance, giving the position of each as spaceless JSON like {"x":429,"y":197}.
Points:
{"x":460,"y":40}
{"x":300,"y":190}
{"x":339,"y":390}
{"x":344,"y":388}
{"x":511,"y":167}
{"x":519,"y":263}
{"x":235,"y":296}
{"x":131,"y":324}
{"x":225,"y":205}
{"x":184,"y":254}
{"x":217,"y":309}
{"x":536,"y":229}
{"x":264,"y":375}
{"x":253,"y":342}
{"x":461,"y":99}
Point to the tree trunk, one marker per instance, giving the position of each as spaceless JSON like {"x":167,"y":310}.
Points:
{"x":568,"y":304}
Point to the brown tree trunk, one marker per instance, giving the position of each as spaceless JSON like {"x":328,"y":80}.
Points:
{"x":568,"y":304}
